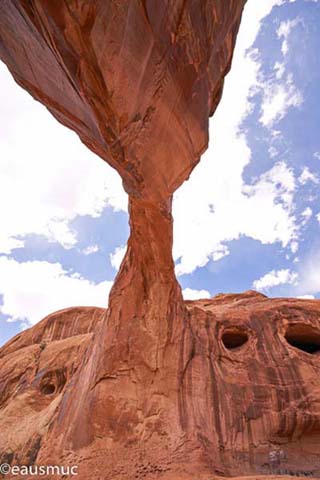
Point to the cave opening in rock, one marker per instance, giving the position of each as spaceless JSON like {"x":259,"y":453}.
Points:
{"x":234,"y":338}
{"x":48,"y":389}
{"x":303,"y":337}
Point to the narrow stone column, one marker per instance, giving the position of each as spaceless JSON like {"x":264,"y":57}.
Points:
{"x":146,"y":295}
{"x":127,"y":389}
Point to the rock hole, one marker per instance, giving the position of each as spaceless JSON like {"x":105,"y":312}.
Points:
{"x":303,"y":337}
{"x":53,"y":382}
{"x":48,"y":389}
{"x":234,"y":338}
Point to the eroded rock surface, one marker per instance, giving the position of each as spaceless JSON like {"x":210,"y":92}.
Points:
{"x":136,"y":79}
{"x":35,"y":367}
{"x":248,"y":394}
{"x":154,"y":386}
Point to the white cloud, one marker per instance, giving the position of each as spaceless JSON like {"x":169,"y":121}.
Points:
{"x":317,"y":155}
{"x":275,"y":278}
{"x":306,"y":297}
{"x":117,"y":256}
{"x":216,"y":205}
{"x":190,"y":294}
{"x":306,"y":214}
{"x":294,"y":247}
{"x":307,"y":176}
{"x":309,"y":274}
{"x":90,"y":249}
{"x":32,"y":290}
{"x":277,"y":99}
{"x":279,"y":69}
{"x":318,"y":217}
{"x":220,"y":252}
{"x":284,"y":31}
{"x":273,"y":152}
{"x":280,"y":92}
{"x":275,"y":134}
{"x":262,"y":211}
{"x":47,"y":175}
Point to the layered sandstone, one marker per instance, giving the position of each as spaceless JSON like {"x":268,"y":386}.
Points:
{"x":248,"y":394}
{"x":154,"y":386}
{"x":35,"y":367}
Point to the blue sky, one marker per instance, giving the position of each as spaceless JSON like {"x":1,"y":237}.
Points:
{"x":248,"y":218}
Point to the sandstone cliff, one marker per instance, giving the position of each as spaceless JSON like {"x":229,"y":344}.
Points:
{"x":153,"y":386}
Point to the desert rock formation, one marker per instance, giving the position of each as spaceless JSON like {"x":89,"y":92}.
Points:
{"x":153,"y":386}
{"x":248,"y":394}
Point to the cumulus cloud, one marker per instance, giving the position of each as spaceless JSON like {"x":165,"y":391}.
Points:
{"x":220,"y":252}
{"x":117,"y":256}
{"x":42,"y":195}
{"x":190,"y":294}
{"x":275,"y":278}
{"x":90,"y":249}
{"x":308,"y":176}
{"x":309,"y":274}
{"x":32,"y":290}
{"x":47,"y":175}
{"x":306,"y":215}
{"x":262,"y":211}
{"x":216,"y":205}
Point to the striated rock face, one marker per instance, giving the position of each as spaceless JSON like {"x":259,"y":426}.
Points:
{"x":254,"y":372}
{"x":136,"y":79}
{"x":153,"y":386}
{"x":248,"y":394}
{"x":35,"y":368}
